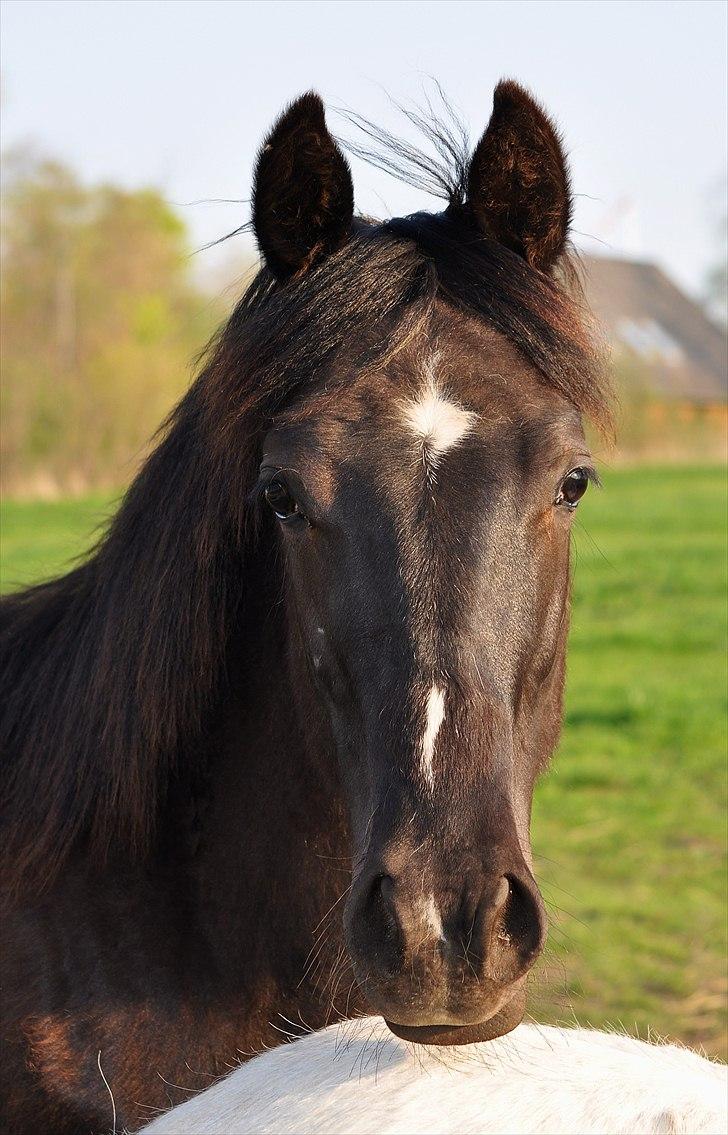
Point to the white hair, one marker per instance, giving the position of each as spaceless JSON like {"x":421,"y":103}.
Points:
{"x":358,"y":1078}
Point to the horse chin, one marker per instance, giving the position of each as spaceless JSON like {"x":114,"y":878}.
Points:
{"x":504,"y":1021}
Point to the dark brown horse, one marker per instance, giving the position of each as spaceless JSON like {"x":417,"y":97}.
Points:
{"x":268,"y":756}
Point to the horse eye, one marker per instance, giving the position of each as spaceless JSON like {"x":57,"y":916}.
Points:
{"x":280,"y":500}
{"x":573,"y":487}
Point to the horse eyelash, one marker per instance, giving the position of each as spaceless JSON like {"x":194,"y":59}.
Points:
{"x":267,"y":474}
{"x":592,"y":476}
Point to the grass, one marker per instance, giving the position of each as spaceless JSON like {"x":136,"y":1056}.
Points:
{"x":629,"y":826}
{"x":40,"y":539}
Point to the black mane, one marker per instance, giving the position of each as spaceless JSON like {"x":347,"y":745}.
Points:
{"x":109,"y":673}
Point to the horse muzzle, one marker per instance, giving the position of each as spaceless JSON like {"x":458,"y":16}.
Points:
{"x":445,"y":965}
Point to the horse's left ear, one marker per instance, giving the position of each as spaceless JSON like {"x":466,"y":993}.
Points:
{"x":303,"y":198}
{"x":518,"y":184}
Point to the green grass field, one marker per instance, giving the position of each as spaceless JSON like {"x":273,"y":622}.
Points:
{"x":629,"y":827}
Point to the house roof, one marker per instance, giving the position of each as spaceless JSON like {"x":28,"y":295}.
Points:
{"x":648,"y":319}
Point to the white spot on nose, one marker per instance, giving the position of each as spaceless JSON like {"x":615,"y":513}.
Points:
{"x":434,"y":717}
{"x":431,"y":916}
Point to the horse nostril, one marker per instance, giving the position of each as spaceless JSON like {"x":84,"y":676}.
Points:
{"x":385,"y":883}
{"x":380,"y":905}
{"x":520,"y":922}
{"x":376,"y":925}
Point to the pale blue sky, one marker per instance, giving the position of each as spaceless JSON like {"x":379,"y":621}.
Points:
{"x":177,"y":93}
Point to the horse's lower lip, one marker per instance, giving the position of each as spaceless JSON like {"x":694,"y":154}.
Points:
{"x":502,"y":1022}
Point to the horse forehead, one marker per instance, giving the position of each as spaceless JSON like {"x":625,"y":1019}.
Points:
{"x":435,"y":418}
{"x":440,"y":389}
{"x":435,"y":407}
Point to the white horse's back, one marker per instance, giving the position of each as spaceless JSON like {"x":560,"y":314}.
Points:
{"x":359,"y":1079}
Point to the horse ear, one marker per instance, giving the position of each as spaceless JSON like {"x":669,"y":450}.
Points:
{"x":303,"y":197}
{"x":518,"y":184}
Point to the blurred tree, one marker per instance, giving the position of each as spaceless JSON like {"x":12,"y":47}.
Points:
{"x":100,"y":325}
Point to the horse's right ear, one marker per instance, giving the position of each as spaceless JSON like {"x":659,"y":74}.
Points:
{"x":518,"y":184}
{"x":303,"y":198}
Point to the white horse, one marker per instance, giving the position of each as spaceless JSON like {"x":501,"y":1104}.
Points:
{"x":359,"y":1079}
